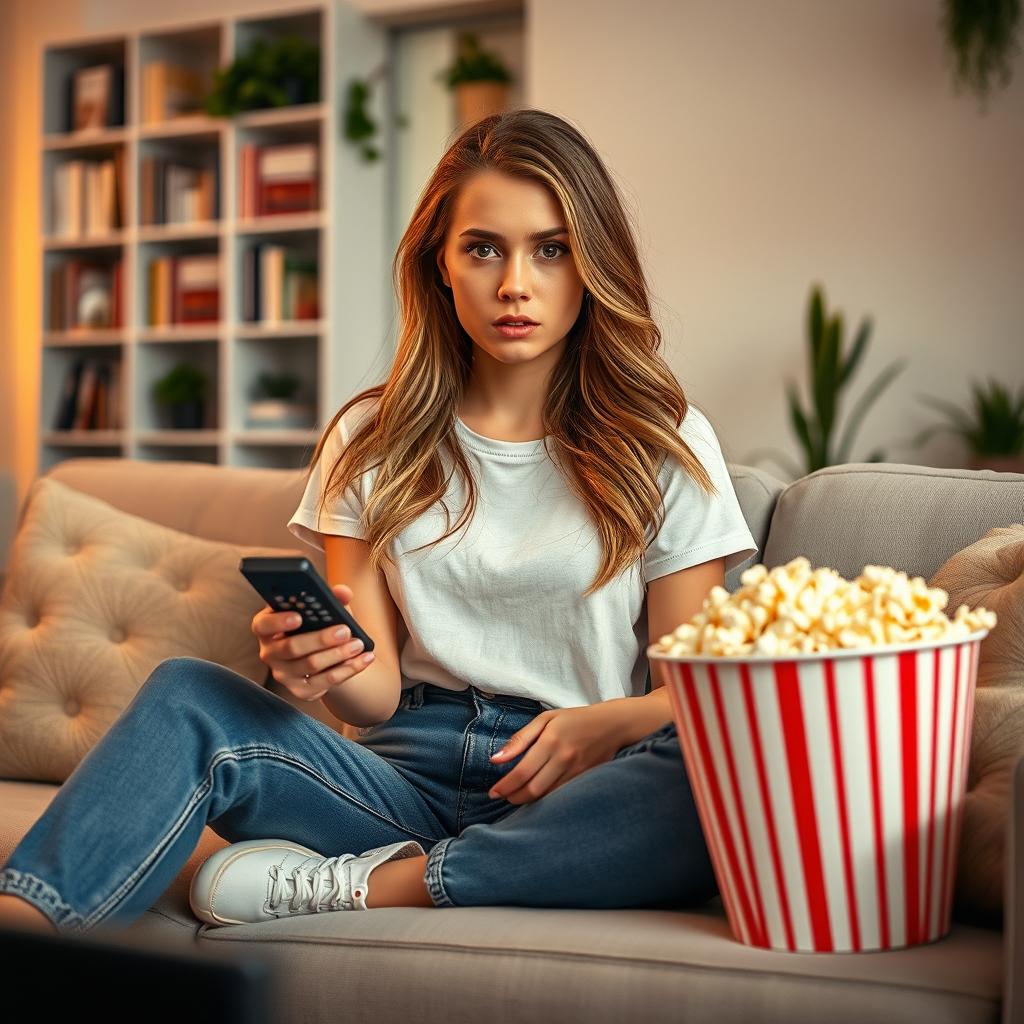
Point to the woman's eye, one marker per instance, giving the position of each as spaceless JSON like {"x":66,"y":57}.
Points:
{"x":557,"y":246}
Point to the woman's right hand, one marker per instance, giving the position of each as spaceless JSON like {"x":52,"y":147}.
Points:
{"x":328,"y":660}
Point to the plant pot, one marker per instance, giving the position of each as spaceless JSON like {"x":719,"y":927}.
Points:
{"x":275,"y":413}
{"x":187,"y":415}
{"x":294,"y":89}
{"x":475,"y":100}
{"x":1000,"y":463}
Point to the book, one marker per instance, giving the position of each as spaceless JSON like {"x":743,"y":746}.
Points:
{"x":90,"y":396}
{"x":170,"y":90}
{"x":197,"y":288}
{"x":287,"y":178}
{"x":87,"y":197}
{"x":279,"y":283}
{"x":183,"y":289}
{"x":96,"y":98}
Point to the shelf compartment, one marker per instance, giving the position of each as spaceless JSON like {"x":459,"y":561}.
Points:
{"x":153,"y":363}
{"x":103,"y":102}
{"x":176,"y":71}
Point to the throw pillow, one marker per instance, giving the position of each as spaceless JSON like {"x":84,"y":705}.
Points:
{"x":94,"y":600}
{"x":990,"y":572}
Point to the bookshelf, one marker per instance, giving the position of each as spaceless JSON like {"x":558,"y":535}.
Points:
{"x":112,"y":247}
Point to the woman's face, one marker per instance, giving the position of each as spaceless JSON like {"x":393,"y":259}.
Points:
{"x":490,"y":275}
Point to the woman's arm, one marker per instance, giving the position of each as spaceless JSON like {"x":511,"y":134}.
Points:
{"x":671,"y":600}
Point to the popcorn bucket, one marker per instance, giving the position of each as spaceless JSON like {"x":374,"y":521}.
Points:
{"x":830,"y":787}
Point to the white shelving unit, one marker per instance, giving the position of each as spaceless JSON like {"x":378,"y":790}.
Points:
{"x":335,"y":355}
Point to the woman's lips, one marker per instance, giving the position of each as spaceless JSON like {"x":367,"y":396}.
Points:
{"x":514,"y":332}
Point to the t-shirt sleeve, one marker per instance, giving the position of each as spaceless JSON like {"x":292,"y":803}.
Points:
{"x":340,"y":514}
{"x":697,"y":526}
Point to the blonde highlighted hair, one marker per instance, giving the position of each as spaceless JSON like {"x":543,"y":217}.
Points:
{"x":614,"y":406}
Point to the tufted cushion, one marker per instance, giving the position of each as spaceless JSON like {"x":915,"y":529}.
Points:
{"x":990,"y":572}
{"x":94,"y":600}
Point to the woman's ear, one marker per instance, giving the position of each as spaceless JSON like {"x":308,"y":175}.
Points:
{"x":441,"y":267}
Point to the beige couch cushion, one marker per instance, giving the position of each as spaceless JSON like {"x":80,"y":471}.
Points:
{"x":990,"y":572}
{"x":94,"y":600}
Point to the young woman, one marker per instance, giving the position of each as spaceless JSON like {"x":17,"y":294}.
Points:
{"x":508,"y":752}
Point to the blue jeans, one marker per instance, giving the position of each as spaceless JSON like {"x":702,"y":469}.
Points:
{"x":202,"y":745}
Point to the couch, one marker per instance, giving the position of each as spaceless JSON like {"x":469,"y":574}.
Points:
{"x":510,"y":964}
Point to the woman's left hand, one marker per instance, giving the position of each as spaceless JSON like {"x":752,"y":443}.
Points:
{"x":560,"y":744}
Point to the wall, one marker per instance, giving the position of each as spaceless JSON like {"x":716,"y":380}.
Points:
{"x":767,"y":146}
{"x":760,"y":147}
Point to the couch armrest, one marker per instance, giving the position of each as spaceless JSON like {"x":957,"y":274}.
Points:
{"x":1013,"y":930}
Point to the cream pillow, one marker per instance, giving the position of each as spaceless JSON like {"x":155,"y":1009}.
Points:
{"x":94,"y":600}
{"x":990,"y":572}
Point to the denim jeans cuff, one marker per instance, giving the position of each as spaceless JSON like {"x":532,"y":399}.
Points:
{"x":42,"y":896}
{"x":435,"y":887}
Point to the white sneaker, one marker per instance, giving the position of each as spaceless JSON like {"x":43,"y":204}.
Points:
{"x":261,"y":879}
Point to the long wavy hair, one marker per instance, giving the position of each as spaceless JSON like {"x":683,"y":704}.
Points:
{"x":614,"y":406}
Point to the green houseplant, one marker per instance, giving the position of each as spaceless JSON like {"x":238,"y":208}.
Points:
{"x":982,"y":37}
{"x":995,"y":434}
{"x":183,"y":392}
{"x":479,"y":79}
{"x":270,"y":74}
{"x":275,"y":403}
{"x":830,"y":370}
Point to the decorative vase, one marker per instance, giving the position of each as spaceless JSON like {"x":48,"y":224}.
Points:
{"x":475,"y":100}
{"x":275,"y":413}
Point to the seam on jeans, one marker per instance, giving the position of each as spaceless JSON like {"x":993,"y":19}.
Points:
{"x":239,"y":754}
{"x":491,"y":742}
{"x":435,"y":886}
{"x":467,"y":743}
{"x":43,"y":896}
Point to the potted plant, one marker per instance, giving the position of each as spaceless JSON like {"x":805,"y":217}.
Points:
{"x":479,"y":79}
{"x":981,"y":36}
{"x":270,"y":74}
{"x":274,"y":403}
{"x":182,"y":392}
{"x":830,"y":372}
{"x":995,"y":434}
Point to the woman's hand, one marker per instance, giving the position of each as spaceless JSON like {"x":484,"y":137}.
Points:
{"x":562,"y":743}
{"x":328,"y":660}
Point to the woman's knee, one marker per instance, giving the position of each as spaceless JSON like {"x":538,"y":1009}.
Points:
{"x":179,"y":678}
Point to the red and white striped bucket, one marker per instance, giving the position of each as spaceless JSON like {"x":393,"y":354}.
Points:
{"x":830,"y":787}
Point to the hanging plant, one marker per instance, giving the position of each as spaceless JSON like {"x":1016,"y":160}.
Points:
{"x":982,"y":37}
{"x":357,"y":125}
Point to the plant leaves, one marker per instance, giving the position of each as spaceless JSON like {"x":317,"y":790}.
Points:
{"x":815,"y":328}
{"x":826,"y":386}
{"x":873,"y":390}
{"x":859,"y":345}
{"x":799,"y":421}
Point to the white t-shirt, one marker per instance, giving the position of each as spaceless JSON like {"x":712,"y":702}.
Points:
{"x":498,"y":604}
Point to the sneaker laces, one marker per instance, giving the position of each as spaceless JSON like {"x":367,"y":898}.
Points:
{"x":308,"y":883}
